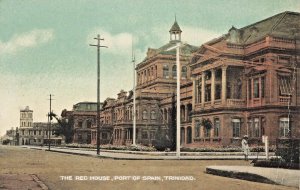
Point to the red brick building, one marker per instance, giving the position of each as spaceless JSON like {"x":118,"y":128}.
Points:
{"x":156,"y":80}
{"x":247,"y":82}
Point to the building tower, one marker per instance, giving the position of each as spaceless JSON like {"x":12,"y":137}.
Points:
{"x":175,"y":32}
{"x":26,"y":117}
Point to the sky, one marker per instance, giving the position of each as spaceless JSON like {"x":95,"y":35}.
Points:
{"x":44,"y":45}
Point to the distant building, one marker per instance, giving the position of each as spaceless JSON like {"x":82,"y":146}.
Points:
{"x":10,"y":137}
{"x":82,"y":118}
{"x":36,"y":133}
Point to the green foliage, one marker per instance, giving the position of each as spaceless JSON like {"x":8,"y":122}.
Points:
{"x":206,"y":123}
{"x":276,"y":164}
{"x":288,"y":149}
{"x":6,"y":142}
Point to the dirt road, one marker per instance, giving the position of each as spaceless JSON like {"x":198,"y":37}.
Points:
{"x":63,"y":171}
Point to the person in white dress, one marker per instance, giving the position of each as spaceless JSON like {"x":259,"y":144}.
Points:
{"x":245,"y":147}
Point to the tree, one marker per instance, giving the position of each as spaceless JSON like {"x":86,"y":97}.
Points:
{"x":206,"y":123}
{"x":64,"y":128}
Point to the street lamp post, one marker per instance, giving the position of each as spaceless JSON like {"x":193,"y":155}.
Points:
{"x":177,"y":47}
{"x":98,"y":90}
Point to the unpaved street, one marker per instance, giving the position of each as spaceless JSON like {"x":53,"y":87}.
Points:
{"x":50,"y":166}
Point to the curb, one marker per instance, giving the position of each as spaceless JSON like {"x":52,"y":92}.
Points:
{"x":240,"y":175}
{"x":154,"y":157}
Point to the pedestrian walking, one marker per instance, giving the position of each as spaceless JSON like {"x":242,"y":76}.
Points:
{"x":245,"y":147}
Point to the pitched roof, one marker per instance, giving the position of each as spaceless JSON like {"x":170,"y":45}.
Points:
{"x":281,"y":25}
{"x":175,"y":27}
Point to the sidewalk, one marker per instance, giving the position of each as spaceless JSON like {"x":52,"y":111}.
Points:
{"x":137,"y":155}
{"x":279,"y":176}
{"x":21,"y":181}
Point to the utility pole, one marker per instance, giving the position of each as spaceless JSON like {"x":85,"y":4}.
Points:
{"x":134,"y":108}
{"x":49,"y":122}
{"x":98,"y":90}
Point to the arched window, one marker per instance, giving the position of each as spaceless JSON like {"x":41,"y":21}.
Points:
{"x":184,"y":72}
{"x":174,"y":73}
{"x":145,"y":114}
{"x":166,"y":71}
{"x":153,"y":115}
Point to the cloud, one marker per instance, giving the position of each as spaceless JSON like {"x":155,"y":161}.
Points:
{"x":118,"y":44}
{"x":197,"y":36}
{"x":26,"y":40}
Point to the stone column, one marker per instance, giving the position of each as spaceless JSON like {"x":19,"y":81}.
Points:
{"x":252,"y":91}
{"x":186,"y":112}
{"x":168,"y":112}
{"x":185,"y":136}
{"x":224,"y":83}
{"x":202,"y":89}
{"x":212,"y":132}
{"x":260,"y":93}
{"x":202,"y":132}
{"x":247,"y":92}
{"x":194,"y":93}
{"x":123,"y":136}
{"x":193,"y":129}
{"x":212,"y":87}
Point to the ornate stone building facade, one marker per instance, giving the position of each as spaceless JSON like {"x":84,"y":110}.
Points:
{"x":247,"y":83}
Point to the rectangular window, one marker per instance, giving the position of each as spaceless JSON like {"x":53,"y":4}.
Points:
{"x":228,"y":90}
{"x":79,"y":137}
{"x":256,"y":88}
{"x":166,"y":71}
{"x":262,"y":87}
{"x":216,"y":127}
{"x":104,"y":136}
{"x":249,"y":89}
{"x":218,"y":92}
{"x":198,"y":90}
{"x":89,"y":124}
{"x":144,"y":135}
{"x":256,"y":128}
{"x":152,"y":135}
{"x":80,"y":124}
{"x":208,"y":93}
{"x":207,"y":132}
{"x":236,"y":127}
{"x":197,"y":129}
{"x":284,"y":127}
{"x":285,"y":86}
